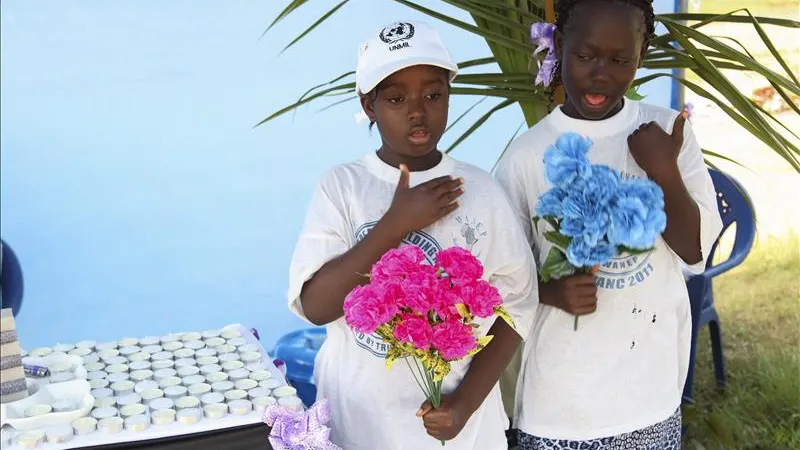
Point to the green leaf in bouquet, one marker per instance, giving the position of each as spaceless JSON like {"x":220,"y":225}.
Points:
{"x":393,"y":355}
{"x":503,"y":314}
{"x":555,"y":266}
{"x":633,"y":251}
{"x":535,"y":221}
{"x":558,"y":239}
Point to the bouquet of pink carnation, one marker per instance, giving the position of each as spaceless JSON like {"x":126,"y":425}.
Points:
{"x":424,"y":312}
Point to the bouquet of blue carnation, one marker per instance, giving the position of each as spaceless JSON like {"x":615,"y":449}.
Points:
{"x":594,"y":214}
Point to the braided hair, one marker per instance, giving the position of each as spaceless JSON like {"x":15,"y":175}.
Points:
{"x":563,"y":8}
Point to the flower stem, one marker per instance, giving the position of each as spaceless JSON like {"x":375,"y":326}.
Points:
{"x":575,"y":327}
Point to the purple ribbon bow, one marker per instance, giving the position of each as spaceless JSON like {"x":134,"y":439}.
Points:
{"x":300,"y":430}
{"x":542,"y":34}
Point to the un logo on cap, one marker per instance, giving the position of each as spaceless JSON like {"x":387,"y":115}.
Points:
{"x":398,"y":31}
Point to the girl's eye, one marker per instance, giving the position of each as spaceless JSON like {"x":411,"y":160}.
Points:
{"x":584,"y":57}
{"x":622,"y":61}
{"x":434,"y":96}
{"x":395,"y":99}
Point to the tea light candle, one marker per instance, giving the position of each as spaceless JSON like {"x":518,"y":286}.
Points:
{"x":230,"y":333}
{"x":111,"y":425}
{"x":117,"y":368}
{"x":102,"y":392}
{"x":175,"y":392}
{"x":235,"y":394}
{"x":260,"y":375}
{"x":270,"y":383}
{"x":291,"y":402}
{"x":124,"y":387}
{"x":247,"y":348}
{"x":38,"y":410}
{"x":226,"y":348}
{"x":221,"y":386}
{"x":211,"y":368}
{"x":150,"y":395}
{"x":141,"y":375}
{"x":139,"y":365}
{"x":214,"y":342}
{"x":161,"y":403}
{"x":116,"y":360}
{"x":205,"y":352}
{"x":31,"y":439}
{"x":199,"y":389}
{"x":84,"y":425}
{"x":94,"y":367}
{"x":168,"y":382}
{"x":187,"y":401}
{"x":104,"y":402}
{"x":189,"y":415}
{"x":146,"y":385}
{"x":191,"y":336}
{"x":185,"y":362}
{"x":91,"y":358}
{"x":139,"y":356}
{"x":258,"y":393}
{"x":193,"y":379}
{"x":183,"y":353}
{"x":86,"y":344}
{"x":240,"y":407}
{"x":207,"y":360}
{"x":237,"y":342}
{"x":41,"y":352}
{"x":131,"y":410}
{"x":216,"y":376}
{"x":105,"y":346}
{"x":160,"y":374}
{"x":81,"y":352}
{"x":215,"y":410}
{"x":104,"y":413}
{"x":107,"y":353}
{"x":163,"y":364}
{"x":152,"y":349}
{"x":172,"y":346}
{"x":230,"y":366}
{"x":59,"y":434}
{"x":238,"y":374}
{"x":163,"y":416}
{"x":149,"y":340}
{"x":97,"y":375}
{"x":170,"y":338}
{"x":245,"y":384}
{"x":284,"y":391}
{"x":128,"y":342}
{"x":251,"y":357}
{"x":114,"y":377}
{"x":228,"y":357}
{"x":160,"y":356}
{"x":212,"y":398}
{"x":129,"y":399}
{"x":137,"y":423}
{"x":194,"y":345}
{"x":262,"y":403}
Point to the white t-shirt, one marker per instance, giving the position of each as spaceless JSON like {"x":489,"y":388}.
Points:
{"x":372,"y":407}
{"x":625,"y":367}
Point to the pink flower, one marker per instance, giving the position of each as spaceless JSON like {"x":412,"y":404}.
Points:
{"x":459,"y":264}
{"x":481,"y":297}
{"x":396,"y":263}
{"x":445,"y":298}
{"x":368,"y":307}
{"x":415,"y":330}
{"x":419,"y":289}
{"x":453,"y":339}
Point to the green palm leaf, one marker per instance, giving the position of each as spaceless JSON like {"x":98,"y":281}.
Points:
{"x":504,"y":24}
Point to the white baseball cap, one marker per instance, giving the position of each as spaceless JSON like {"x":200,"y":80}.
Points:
{"x":397,"y":46}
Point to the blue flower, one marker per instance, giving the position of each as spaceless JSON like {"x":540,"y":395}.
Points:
{"x":551,"y":203}
{"x":586,"y":208}
{"x":602,"y":183}
{"x":566,"y":161}
{"x":637,"y":214}
{"x":583,"y":254}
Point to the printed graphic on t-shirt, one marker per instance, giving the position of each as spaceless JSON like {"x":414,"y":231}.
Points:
{"x":372,"y":342}
{"x":470,"y":234}
{"x":624,"y":271}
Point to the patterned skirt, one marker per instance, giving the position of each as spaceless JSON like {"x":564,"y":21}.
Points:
{"x":664,"y":435}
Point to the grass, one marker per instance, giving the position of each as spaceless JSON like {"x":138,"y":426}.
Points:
{"x":759,"y":308}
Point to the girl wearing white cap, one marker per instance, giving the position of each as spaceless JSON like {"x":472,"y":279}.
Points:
{"x":408,"y":192}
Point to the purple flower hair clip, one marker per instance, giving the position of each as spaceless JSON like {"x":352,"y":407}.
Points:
{"x":300,"y":430}
{"x":543,"y":35}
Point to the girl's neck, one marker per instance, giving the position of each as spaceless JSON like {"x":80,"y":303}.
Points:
{"x":414,"y":164}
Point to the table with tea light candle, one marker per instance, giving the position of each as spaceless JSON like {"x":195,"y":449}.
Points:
{"x":182,"y":390}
